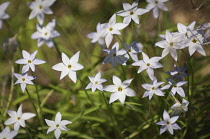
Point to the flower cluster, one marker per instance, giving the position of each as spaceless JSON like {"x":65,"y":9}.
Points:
{"x":117,"y":52}
{"x":172,"y":42}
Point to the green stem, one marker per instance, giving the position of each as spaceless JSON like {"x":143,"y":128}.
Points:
{"x":57,"y":49}
{"x":124,"y":74}
{"x":123,"y":46}
{"x":109,"y":108}
{"x":39,"y":107}
{"x":28,"y":133}
{"x":34,"y":108}
{"x":87,"y":94}
{"x":11,"y":90}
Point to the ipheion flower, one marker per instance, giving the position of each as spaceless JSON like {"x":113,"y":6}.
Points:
{"x":168,"y":123}
{"x":29,"y":61}
{"x":3,"y":15}
{"x":69,"y":66}
{"x":45,"y":34}
{"x":7,"y":134}
{"x":119,"y":90}
{"x":96,"y":82}
{"x":23,"y":79}
{"x":131,"y":12}
{"x":39,"y":8}
{"x":18,"y":118}
{"x":57,"y":125}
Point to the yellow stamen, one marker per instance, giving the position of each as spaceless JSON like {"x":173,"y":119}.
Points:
{"x":120,"y":89}
{"x":171,"y":44}
{"x":131,"y":13}
{"x":194,"y":40}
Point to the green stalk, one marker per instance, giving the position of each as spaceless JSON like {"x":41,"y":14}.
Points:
{"x":28,"y":133}
{"x":87,"y":94}
{"x":11,"y":90}
{"x":34,"y":108}
{"x":39,"y":107}
{"x":109,"y":108}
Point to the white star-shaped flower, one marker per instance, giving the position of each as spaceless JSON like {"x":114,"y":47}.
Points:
{"x":69,"y":66}
{"x":45,"y":34}
{"x":115,"y":55}
{"x":96,"y":82}
{"x":110,"y":29}
{"x":39,"y":8}
{"x":148,"y":64}
{"x":133,"y":49}
{"x":171,"y":43}
{"x":180,"y":107}
{"x":94,"y":35}
{"x":168,"y":123}
{"x":23,"y":80}
{"x":29,"y":61}
{"x":195,"y":43}
{"x":119,"y":90}
{"x":185,"y":31}
{"x":7,"y":134}
{"x":152,"y":89}
{"x":176,"y":87}
{"x":57,"y":125}
{"x":156,"y":5}
{"x":131,"y":12}
{"x":3,"y":15}
{"x":18,"y":118}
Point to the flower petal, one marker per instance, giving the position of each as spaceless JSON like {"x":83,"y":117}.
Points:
{"x":113,"y":97}
{"x":65,"y":122}
{"x":73,"y":76}
{"x":26,"y":116}
{"x":129,"y":92}
{"x":58,"y":118}
{"x":57,"y":133}
{"x":50,"y":122}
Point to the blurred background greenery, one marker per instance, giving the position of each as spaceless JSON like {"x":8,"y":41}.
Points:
{"x":137,"y":117}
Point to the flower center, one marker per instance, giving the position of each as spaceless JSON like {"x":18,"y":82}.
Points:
{"x":153,"y":88}
{"x":40,"y":7}
{"x":4,"y":138}
{"x":167,"y":122}
{"x":129,"y":50}
{"x":171,"y":44}
{"x":131,"y":12}
{"x":148,"y":64}
{"x":96,"y":82}
{"x":175,"y":86}
{"x":18,"y":118}
{"x":120,"y":89}
{"x":194,"y":40}
{"x":29,"y":61}
{"x":114,"y":54}
{"x":110,"y":29}
{"x":23,"y":79}
{"x":69,"y":66}
{"x":156,"y":2}
{"x":45,"y":33}
{"x":57,"y":125}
